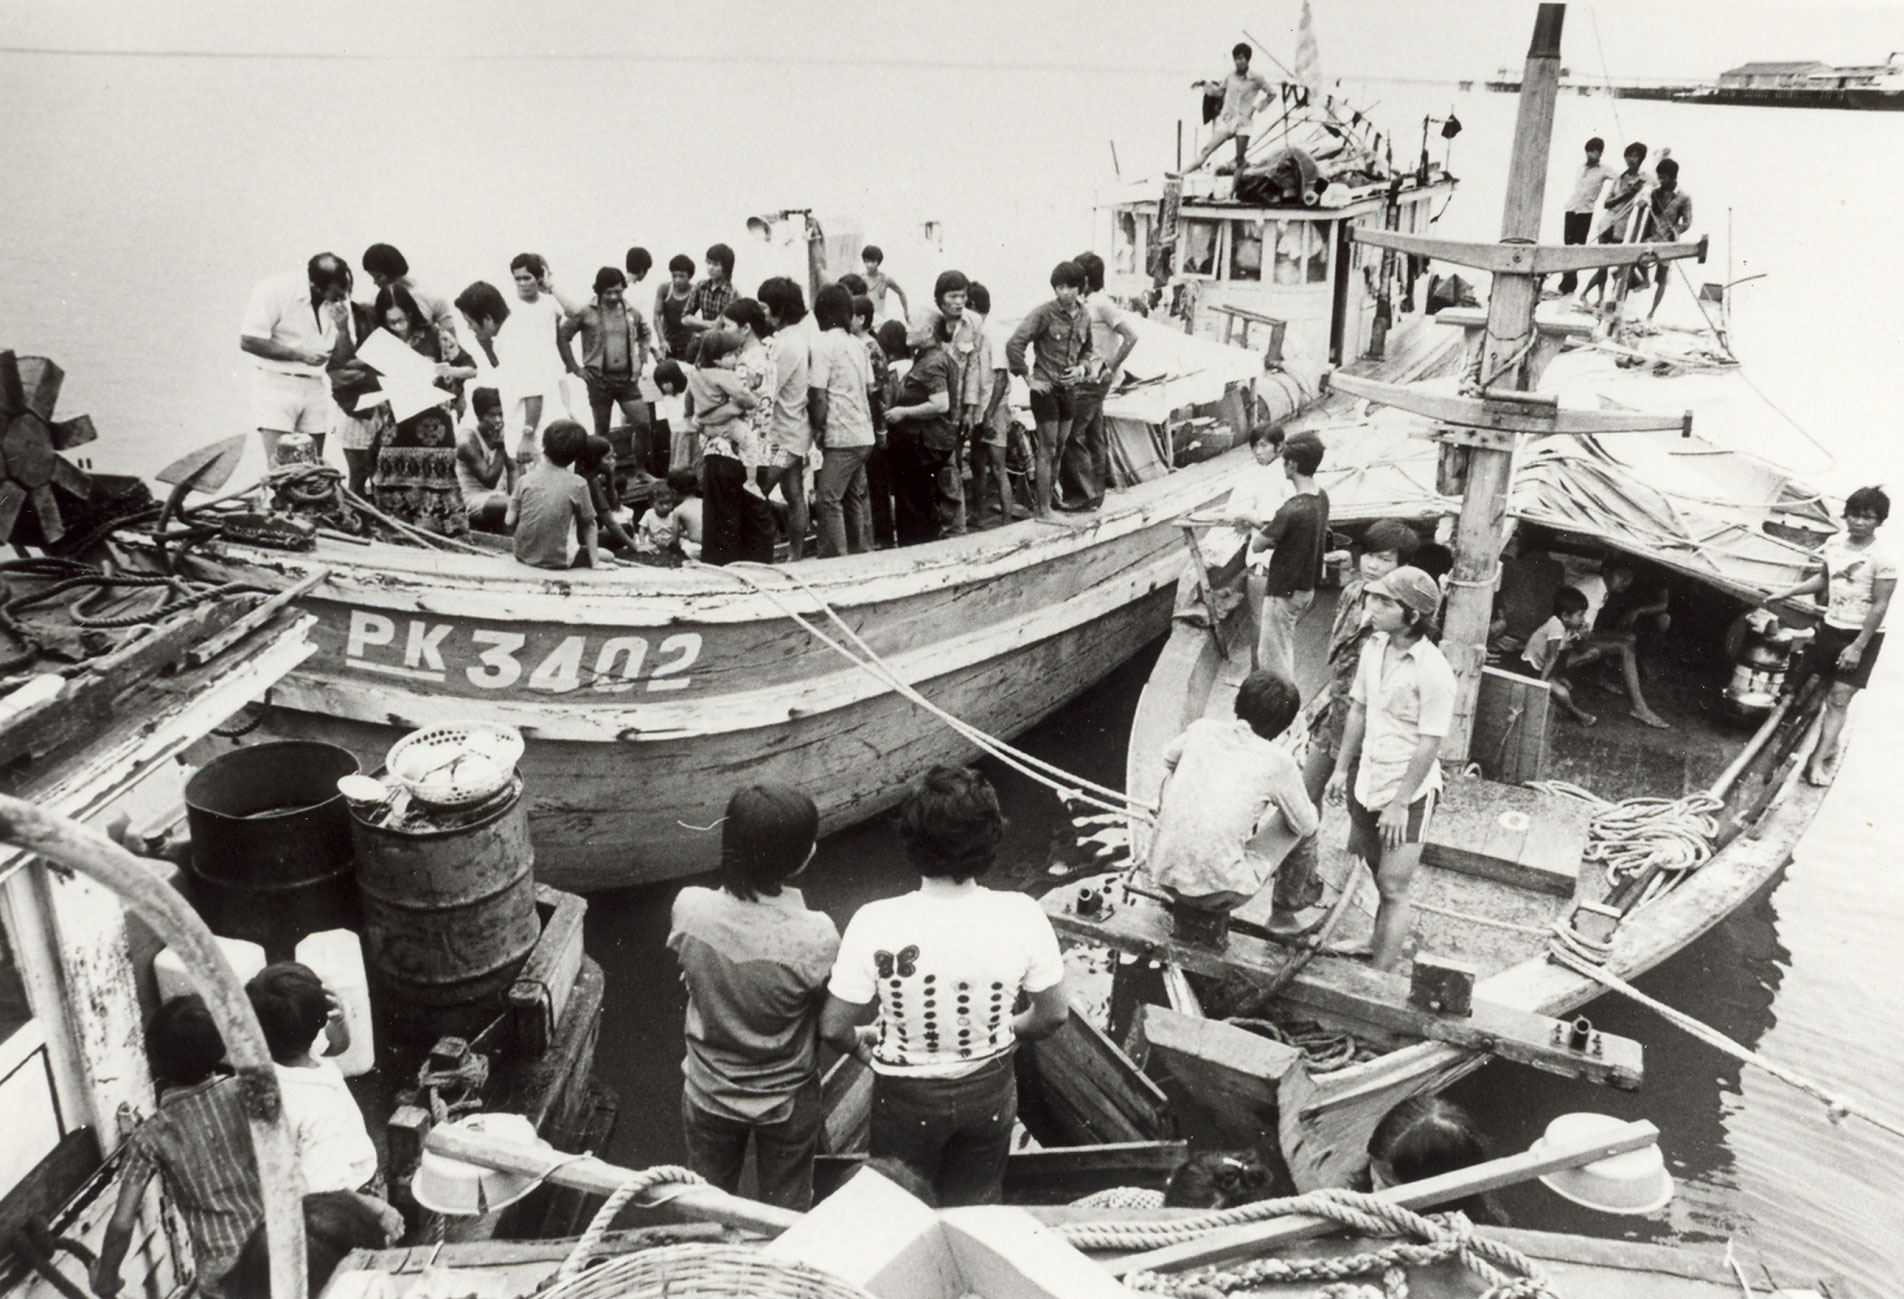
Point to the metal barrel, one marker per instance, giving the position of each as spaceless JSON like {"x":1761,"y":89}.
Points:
{"x":449,"y":915}
{"x":271,"y":842}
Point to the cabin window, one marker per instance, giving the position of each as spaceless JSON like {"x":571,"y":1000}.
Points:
{"x":1199,"y":247}
{"x":1302,"y":254}
{"x":27,"y":1096}
{"x":1246,"y":250}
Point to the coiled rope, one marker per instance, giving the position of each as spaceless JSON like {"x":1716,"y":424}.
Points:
{"x":1667,"y":836}
{"x":647,"y":1179}
{"x":1507,"y":1271}
{"x":1067,"y":785}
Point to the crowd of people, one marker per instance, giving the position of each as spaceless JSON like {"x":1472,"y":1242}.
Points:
{"x":718,"y":427}
{"x":1629,"y":206}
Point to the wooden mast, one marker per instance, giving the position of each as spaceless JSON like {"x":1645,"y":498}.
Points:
{"x":1497,"y":410}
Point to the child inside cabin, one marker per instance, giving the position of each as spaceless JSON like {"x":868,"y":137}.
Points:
{"x":199,"y":1141}
{"x":1232,"y":803}
{"x":552,"y":502}
{"x":295,"y":1010}
{"x":598,"y":469}
{"x":755,"y":960}
{"x":1546,"y":651}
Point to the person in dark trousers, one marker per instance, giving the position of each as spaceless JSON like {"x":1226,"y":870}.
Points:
{"x":942,"y":969}
{"x":1059,"y":333}
{"x":615,"y":345}
{"x":1582,"y":205}
{"x":755,"y":960}
{"x":1084,"y":463}
{"x":1297,"y":539}
{"x":920,"y":431}
{"x":890,"y":340}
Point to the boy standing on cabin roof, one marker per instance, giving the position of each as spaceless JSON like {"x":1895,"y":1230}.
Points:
{"x":1243,"y":93}
{"x":1580,"y":208}
{"x":1401,"y":707}
{"x":1626,"y":193}
{"x":1669,"y":215}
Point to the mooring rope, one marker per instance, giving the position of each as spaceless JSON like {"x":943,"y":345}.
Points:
{"x":1637,"y":836}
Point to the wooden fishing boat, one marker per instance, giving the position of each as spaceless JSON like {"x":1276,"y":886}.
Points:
{"x":1584,"y":480}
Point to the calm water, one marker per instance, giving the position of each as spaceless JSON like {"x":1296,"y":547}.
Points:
{"x":144,"y":196}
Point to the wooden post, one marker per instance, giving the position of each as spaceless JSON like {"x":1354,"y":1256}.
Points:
{"x":1511,"y":303}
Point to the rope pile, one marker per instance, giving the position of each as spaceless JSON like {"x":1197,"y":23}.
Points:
{"x":1323,"y":1051}
{"x":1665,"y":836}
{"x":175,"y":595}
{"x":1509,"y":1273}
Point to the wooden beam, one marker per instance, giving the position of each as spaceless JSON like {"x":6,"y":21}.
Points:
{"x":1527,"y":259}
{"x":1503,"y":413}
{"x":1256,"y":1237}
{"x":1351,"y":992}
{"x":1229,"y":1070}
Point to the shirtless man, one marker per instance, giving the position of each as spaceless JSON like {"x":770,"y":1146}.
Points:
{"x":1243,"y":93}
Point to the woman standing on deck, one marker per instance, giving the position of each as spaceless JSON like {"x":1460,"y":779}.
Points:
{"x":415,"y":476}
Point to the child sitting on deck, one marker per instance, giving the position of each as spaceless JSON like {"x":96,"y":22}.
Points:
{"x":598,"y":469}
{"x":550,"y":501}
{"x":1546,"y":650}
{"x":659,"y":532}
{"x":1232,"y":804}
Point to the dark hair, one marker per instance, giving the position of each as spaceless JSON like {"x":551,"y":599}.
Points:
{"x":1596,"y":145}
{"x":1869,"y":500}
{"x":327,"y":270}
{"x":530,"y":262}
{"x":1241,"y":50}
{"x":1434,"y":559}
{"x":563,"y":441}
{"x":1268,"y":701}
{"x":683,"y":481}
{"x":1569,"y":599}
{"x":1391,"y":535}
{"x":748,"y":312}
{"x":950,"y":824}
{"x":1304,"y":451}
{"x":609,"y":278}
{"x":1271,"y":433}
{"x":680,"y":264}
{"x":1067,"y":275}
{"x":722,"y":256}
{"x":833,"y":307}
{"x":482,"y":299}
{"x":594,"y":452}
{"x":873,"y":253}
{"x":892,"y":338}
{"x":639,"y":261}
{"x":783,"y":298}
{"x":950,"y":282}
{"x":862,"y":308}
{"x":1218,"y":1179}
{"x":979,"y":298}
{"x":668,"y":377}
{"x":382,"y":259}
{"x":400,"y":298}
{"x":766,"y":837}
{"x":1635,"y":147}
{"x":182,"y":1042}
{"x":485,"y":400}
{"x":1667,"y":167}
{"x":854,"y":283}
{"x":713,"y":344}
{"x":335,"y":1223}
{"x":291,"y":1011}
{"x":1426,"y":1136}
{"x":1093,"y":267}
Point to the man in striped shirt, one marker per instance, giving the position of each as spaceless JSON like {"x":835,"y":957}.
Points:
{"x":198,"y":1141}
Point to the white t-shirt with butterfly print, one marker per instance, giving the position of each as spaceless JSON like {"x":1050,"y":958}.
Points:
{"x":947,"y":964}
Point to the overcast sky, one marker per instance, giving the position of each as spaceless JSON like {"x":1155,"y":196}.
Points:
{"x":1357,"y":37}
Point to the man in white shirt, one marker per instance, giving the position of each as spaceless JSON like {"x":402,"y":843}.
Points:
{"x":941,"y":969}
{"x":1583,"y":203}
{"x":539,"y":374}
{"x":290,"y":327}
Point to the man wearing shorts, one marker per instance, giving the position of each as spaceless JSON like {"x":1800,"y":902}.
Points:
{"x":1060,"y":332}
{"x":1400,"y":708}
{"x":290,"y":328}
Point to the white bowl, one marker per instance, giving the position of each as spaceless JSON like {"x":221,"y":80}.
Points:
{"x":444,"y":1185}
{"x":1632,"y":1183}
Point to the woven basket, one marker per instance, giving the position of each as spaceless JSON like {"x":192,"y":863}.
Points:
{"x":430,"y":762}
{"x":703,"y":1272}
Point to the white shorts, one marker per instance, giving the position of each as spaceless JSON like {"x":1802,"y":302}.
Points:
{"x":290,"y":403}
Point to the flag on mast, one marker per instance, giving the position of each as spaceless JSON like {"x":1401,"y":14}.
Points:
{"x":1308,"y":60}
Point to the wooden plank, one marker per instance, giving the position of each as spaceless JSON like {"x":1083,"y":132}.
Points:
{"x":846,"y":1106}
{"x":1525,"y":259}
{"x":212,"y":646}
{"x":1354,"y":993}
{"x":1229,"y":1070}
{"x":1520,"y":837}
{"x":1086,"y":1075}
{"x":1508,"y":416}
{"x":539,"y":995}
{"x":1256,"y":1237}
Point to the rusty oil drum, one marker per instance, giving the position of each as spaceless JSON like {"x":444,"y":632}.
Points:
{"x":271,"y":842}
{"x":449,"y":915}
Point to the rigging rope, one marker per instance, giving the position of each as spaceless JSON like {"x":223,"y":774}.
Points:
{"x":1066,"y":785}
{"x":1637,"y":836}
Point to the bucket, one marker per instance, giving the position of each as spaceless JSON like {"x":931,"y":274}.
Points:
{"x":271,"y":847}
{"x":449,"y":911}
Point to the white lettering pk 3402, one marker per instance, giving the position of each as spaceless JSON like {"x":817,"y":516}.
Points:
{"x":490,"y":659}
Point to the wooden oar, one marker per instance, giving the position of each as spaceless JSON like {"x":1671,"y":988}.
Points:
{"x":1257,"y":1237}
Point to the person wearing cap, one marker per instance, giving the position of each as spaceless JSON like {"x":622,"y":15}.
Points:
{"x":1400,"y":708}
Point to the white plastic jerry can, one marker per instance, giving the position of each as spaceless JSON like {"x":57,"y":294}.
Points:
{"x":168,"y":971}
{"x":337,"y":957}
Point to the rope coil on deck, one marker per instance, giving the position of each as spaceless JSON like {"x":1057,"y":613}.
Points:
{"x":1507,"y":1271}
{"x":1666,"y":836}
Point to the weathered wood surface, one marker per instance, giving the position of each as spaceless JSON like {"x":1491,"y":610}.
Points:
{"x":1228,"y":1070}
{"x":1521,"y":837}
{"x":1510,"y":727}
{"x":1077,"y":1088}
